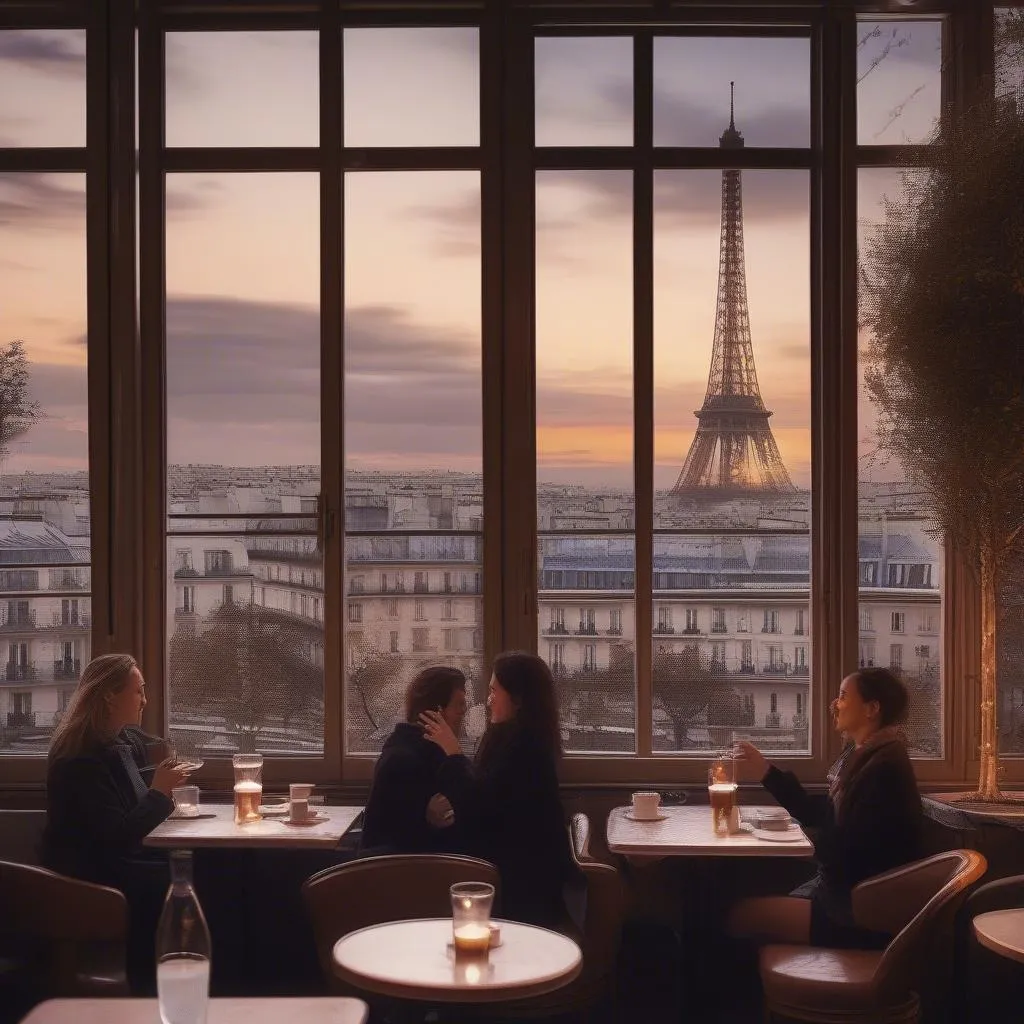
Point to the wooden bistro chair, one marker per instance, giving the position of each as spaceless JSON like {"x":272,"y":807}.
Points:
{"x":842,"y":986}
{"x":599,"y":942}
{"x":70,"y":935}
{"x":375,"y":890}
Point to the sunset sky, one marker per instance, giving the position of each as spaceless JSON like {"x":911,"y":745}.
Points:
{"x":243,"y":259}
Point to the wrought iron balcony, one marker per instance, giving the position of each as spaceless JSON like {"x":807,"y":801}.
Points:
{"x":66,"y":669}
{"x":16,"y":672}
{"x":773,"y":720}
{"x":21,"y":719}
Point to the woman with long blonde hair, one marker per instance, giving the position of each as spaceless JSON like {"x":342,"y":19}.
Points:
{"x":99,"y":807}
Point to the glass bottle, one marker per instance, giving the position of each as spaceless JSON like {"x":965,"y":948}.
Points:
{"x":182,"y":949}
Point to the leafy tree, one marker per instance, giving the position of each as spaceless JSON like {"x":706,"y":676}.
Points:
{"x":17,"y":411}
{"x":943,"y":305}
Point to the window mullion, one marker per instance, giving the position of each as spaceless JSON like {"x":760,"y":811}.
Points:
{"x":643,"y":379}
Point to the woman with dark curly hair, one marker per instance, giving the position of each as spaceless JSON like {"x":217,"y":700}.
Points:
{"x":868,"y":822}
{"x":507,"y":801}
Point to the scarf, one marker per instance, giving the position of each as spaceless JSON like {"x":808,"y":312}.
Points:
{"x":852,"y":759}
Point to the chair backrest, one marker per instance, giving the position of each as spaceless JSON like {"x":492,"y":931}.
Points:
{"x":44,"y":905}
{"x":373,"y":890}
{"x":937,"y":884}
{"x":602,"y":930}
{"x":61,"y":923}
{"x":579,"y":837}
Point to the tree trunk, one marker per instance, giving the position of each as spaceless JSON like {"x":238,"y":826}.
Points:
{"x":988,"y":781}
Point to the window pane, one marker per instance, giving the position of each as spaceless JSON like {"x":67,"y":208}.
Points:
{"x":588,"y":636}
{"x":42,"y":87}
{"x":412,"y":87}
{"x":731,"y":622}
{"x":413,"y":437}
{"x":692,"y":79}
{"x":45,"y":582}
{"x":899,"y":81}
{"x":585,"y":450}
{"x":900,"y":561}
{"x":1009,"y":62}
{"x":584,"y":350}
{"x":583,"y":91}
{"x":242,"y":89}
{"x":244,"y":581}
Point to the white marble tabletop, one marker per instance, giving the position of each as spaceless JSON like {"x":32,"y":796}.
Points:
{"x":415,"y":960}
{"x":1002,"y":931}
{"x":222,"y":1011}
{"x":687,"y":832}
{"x":219,"y":829}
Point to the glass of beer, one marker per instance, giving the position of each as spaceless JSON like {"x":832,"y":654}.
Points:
{"x":248,"y":787}
{"x":471,"y":916}
{"x":722,"y":792}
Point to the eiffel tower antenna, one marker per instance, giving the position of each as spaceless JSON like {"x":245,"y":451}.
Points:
{"x":733,"y":452}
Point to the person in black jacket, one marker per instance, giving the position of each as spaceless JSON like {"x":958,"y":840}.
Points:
{"x":99,"y":807}
{"x":507,"y":802}
{"x":869,"y":822}
{"x":404,"y":812}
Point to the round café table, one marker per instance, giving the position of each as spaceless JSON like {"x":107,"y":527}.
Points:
{"x":1002,"y":931}
{"x":415,"y":960}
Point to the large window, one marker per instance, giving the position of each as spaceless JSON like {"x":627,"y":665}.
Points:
{"x":534,"y":331}
{"x":45,"y":522}
{"x":725,"y":525}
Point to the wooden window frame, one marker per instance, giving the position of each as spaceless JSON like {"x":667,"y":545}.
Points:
{"x":126,"y":400}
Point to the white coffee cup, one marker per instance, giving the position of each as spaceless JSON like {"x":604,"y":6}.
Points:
{"x":646,"y":805}
{"x":299,"y":810}
{"x":300,"y":790}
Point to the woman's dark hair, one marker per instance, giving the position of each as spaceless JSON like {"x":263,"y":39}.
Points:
{"x":432,"y":688}
{"x":885,"y":687}
{"x":531,"y":686}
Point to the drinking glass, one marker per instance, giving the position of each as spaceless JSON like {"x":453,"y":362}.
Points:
{"x":471,"y":916}
{"x":722,"y":792}
{"x":248,"y":787}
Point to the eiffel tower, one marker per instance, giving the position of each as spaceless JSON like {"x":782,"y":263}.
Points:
{"x":733,"y":452}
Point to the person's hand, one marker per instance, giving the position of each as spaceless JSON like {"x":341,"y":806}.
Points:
{"x":169,"y":775}
{"x":440,"y":813}
{"x":751,"y":761}
{"x":438,"y":731}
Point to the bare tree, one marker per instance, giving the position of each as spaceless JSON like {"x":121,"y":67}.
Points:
{"x":17,"y":410}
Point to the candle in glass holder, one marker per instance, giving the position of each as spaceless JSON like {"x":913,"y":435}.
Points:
{"x":471,"y":916}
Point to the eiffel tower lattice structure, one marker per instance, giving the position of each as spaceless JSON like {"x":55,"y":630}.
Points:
{"x":733,"y":452}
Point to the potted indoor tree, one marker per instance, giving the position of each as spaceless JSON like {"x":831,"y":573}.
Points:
{"x":942,"y":305}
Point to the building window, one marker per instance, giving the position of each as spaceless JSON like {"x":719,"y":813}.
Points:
{"x":449,"y":610}
{"x":742,"y":623}
{"x":392,"y":608}
{"x":717,"y":620}
{"x":800,"y":659}
{"x":421,"y":639}
{"x":774,"y":703}
{"x":801,"y":616}
{"x":217,"y":563}
{"x":590,"y":657}
{"x":747,"y":656}
{"x":556,"y":657}
{"x":799,"y":703}
{"x":665,"y":619}
{"x":775,"y":661}
{"x":449,"y":638}
{"x":419,"y":610}
{"x":691,"y":621}
{"x":394,"y":641}
{"x":896,"y":657}
{"x":615,"y":620}
{"x":355,"y":611}
{"x":898,"y":621}
{"x":228,"y":594}
{"x":188,"y":600}
{"x":588,"y":622}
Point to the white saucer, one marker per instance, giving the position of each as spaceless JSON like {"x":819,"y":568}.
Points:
{"x":660,"y":816}
{"x":313,"y":819}
{"x":191,"y":817}
{"x":790,"y":835}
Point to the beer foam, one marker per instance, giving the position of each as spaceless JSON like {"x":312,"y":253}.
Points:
{"x":722,"y":787}
{"x":248,"y":787}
